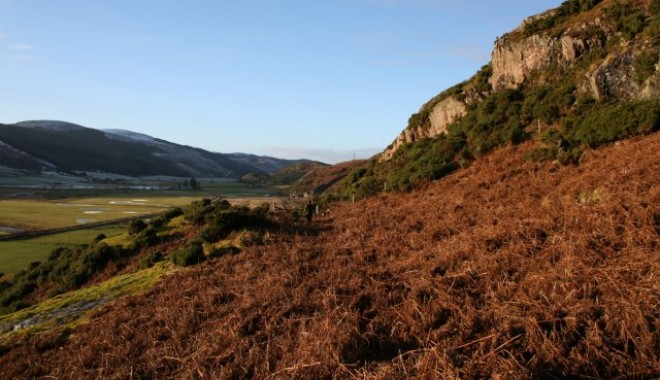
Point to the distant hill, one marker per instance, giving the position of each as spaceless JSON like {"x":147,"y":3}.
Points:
{"x":267,"y":164}
{"x":286,"y":176}
{"x":322,"y":178}
{"x":54,"y":145}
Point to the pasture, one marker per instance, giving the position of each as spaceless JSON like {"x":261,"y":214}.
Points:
{"x":61,"y":208}
{"x":32,"y":215}
{"x":18,"y":254}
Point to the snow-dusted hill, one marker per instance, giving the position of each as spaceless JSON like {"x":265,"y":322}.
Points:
{"x":71,"y":147}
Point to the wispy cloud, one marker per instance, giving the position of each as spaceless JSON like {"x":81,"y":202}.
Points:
{"x":20,"y":58}
{"x":21,"y":47}
{"x":330,"y":156}
{"x":14,"y":52}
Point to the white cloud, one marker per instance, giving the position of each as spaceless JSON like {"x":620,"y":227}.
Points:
{"x":20,"y":58}
{"x":20,"y":47}
{"x":14,"y":52}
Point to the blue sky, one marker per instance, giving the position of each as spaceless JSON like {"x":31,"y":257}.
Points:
{"x":291,"y":78}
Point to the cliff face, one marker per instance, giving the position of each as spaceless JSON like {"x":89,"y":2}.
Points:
{"x":589,"y":46}
{"x":515,"y":62}
{"x":441,"y":115}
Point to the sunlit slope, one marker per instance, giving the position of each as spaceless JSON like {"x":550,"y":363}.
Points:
{"x":508,"y":269}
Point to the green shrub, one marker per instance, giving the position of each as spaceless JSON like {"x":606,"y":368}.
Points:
{"x":173,"y":213}
{"x":150,"y":260}
{"x":147,"y":238}
{"x":136,"y":226}
{"x":189,"y":255}
{"x":199,"y":212}
{"x":566,"y":9}
{"x":225,"y":221}
{"x":608,"y":122}
{"x":66,"y":268}
{"x":644,"y":64}
{"x":626,"y":18}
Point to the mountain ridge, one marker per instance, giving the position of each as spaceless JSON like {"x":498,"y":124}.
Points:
{"x":55,"y":145}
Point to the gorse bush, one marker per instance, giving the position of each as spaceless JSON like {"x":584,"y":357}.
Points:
{"x":136,"y":226}
{"x":644,"y":64}
{"x":199,"y":212}
{"x":565,"y":10}
{"x":226,"y":220}
{"x":150,"y":260}
{"x":65,"y":268}
{"x":603,"y":123}
{"x":626,"y":18}
{"x":190,"y":255}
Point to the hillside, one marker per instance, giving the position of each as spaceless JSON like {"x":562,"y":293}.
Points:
{"x":512,"y":231}
{"x":508,"y":269}
{"x":268,"y":164}
{"x":53,"y":145}
{"x":584,"y":74}
{"x":322,"y":178}
{"x":286,"y":176}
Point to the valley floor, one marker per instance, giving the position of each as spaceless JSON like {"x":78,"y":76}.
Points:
{"x":509,"y":269}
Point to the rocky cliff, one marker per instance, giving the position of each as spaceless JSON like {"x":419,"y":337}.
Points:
{"x":609,"y":49}
{"x":441,"y":115}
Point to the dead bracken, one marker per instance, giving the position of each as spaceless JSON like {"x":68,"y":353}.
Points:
{"x":502,"y":270}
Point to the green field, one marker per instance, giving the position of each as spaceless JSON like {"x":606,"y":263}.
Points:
{"x":59,"y":208}
{"x":40,"y":214}
{"x":16,"y":255}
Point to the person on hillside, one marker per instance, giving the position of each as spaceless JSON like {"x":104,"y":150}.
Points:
{"x":309,"y":211}
{"x":562,"y":145}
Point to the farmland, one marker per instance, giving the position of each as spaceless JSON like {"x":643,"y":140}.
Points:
{"x":63,"y":208}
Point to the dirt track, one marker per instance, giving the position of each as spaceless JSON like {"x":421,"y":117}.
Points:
{"x":509,"y":269}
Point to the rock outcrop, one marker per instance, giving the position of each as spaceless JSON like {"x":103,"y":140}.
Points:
{"x":519,"y":58}
{"x":441,"y":115}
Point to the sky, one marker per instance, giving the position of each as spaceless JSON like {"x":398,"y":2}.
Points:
{"x":322,"y":79}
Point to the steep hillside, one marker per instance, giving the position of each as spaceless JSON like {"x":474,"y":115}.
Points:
{"x":508,"y":269}
{"x":584,"y":74}
{"x":16,"y":159}
{"x":70,"y":147}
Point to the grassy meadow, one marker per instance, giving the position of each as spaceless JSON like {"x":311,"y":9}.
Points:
{"x":16,"y":255}
{"x":61,"y":208}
